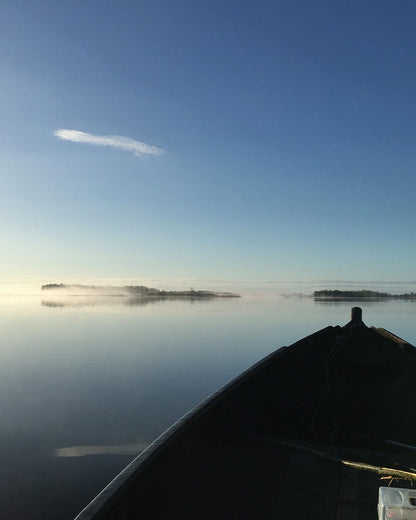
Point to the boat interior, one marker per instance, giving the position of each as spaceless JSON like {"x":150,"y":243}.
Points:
{"x":310,"y":432}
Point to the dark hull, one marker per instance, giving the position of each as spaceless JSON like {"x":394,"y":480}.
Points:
{"x":310,"y":432}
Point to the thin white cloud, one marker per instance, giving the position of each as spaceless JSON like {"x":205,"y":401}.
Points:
{"x":115,"y":141}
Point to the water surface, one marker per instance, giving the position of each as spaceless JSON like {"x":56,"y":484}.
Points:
{"x":86,"y":384}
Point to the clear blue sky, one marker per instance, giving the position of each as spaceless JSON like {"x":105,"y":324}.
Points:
{"x":288,"y":131}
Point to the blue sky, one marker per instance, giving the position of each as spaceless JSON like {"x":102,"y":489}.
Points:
{"x":287,"y":130}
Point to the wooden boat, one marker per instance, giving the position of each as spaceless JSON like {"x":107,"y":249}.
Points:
{"x":310,"y":432}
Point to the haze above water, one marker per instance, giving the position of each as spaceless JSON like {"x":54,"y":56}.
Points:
{"x":86,"y":383}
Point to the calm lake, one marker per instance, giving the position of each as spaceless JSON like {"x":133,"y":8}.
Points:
{"x":87,"y":383}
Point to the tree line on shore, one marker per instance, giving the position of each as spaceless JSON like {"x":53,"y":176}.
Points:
{"x":362,"y":294}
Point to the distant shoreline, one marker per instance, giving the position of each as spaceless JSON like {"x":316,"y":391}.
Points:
{"x":136,"y":291}
{"x":337,"y":295}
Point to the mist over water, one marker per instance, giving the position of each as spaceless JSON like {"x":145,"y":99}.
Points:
{"x":87,"y":382}
{"x":247,"y":288}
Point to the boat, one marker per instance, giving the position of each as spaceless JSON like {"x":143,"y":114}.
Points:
{"x":322,"y":429}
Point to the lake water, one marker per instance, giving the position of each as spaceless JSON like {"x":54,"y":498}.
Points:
{"x":87,"y":383}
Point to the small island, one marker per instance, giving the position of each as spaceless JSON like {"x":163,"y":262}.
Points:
{"x":131,"y":291}
{"x":364,"y":294}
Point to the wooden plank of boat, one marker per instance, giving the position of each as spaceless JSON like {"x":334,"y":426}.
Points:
{"x":311,"y":431}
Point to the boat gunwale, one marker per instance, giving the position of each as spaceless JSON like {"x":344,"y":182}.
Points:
{"x":104,"y":499}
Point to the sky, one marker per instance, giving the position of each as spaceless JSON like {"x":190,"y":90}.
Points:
{"x":246,"y":140}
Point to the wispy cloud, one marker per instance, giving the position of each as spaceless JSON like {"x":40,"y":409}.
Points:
{"x":115,"y":141}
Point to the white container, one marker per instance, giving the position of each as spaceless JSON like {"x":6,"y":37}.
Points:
{"x":396,"y":503}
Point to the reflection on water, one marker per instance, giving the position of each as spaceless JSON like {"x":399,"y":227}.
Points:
{"x":355,"y":302}
{"x":131,"y":448}
{"x":93,"y":301}
{"x":99,"y":375}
